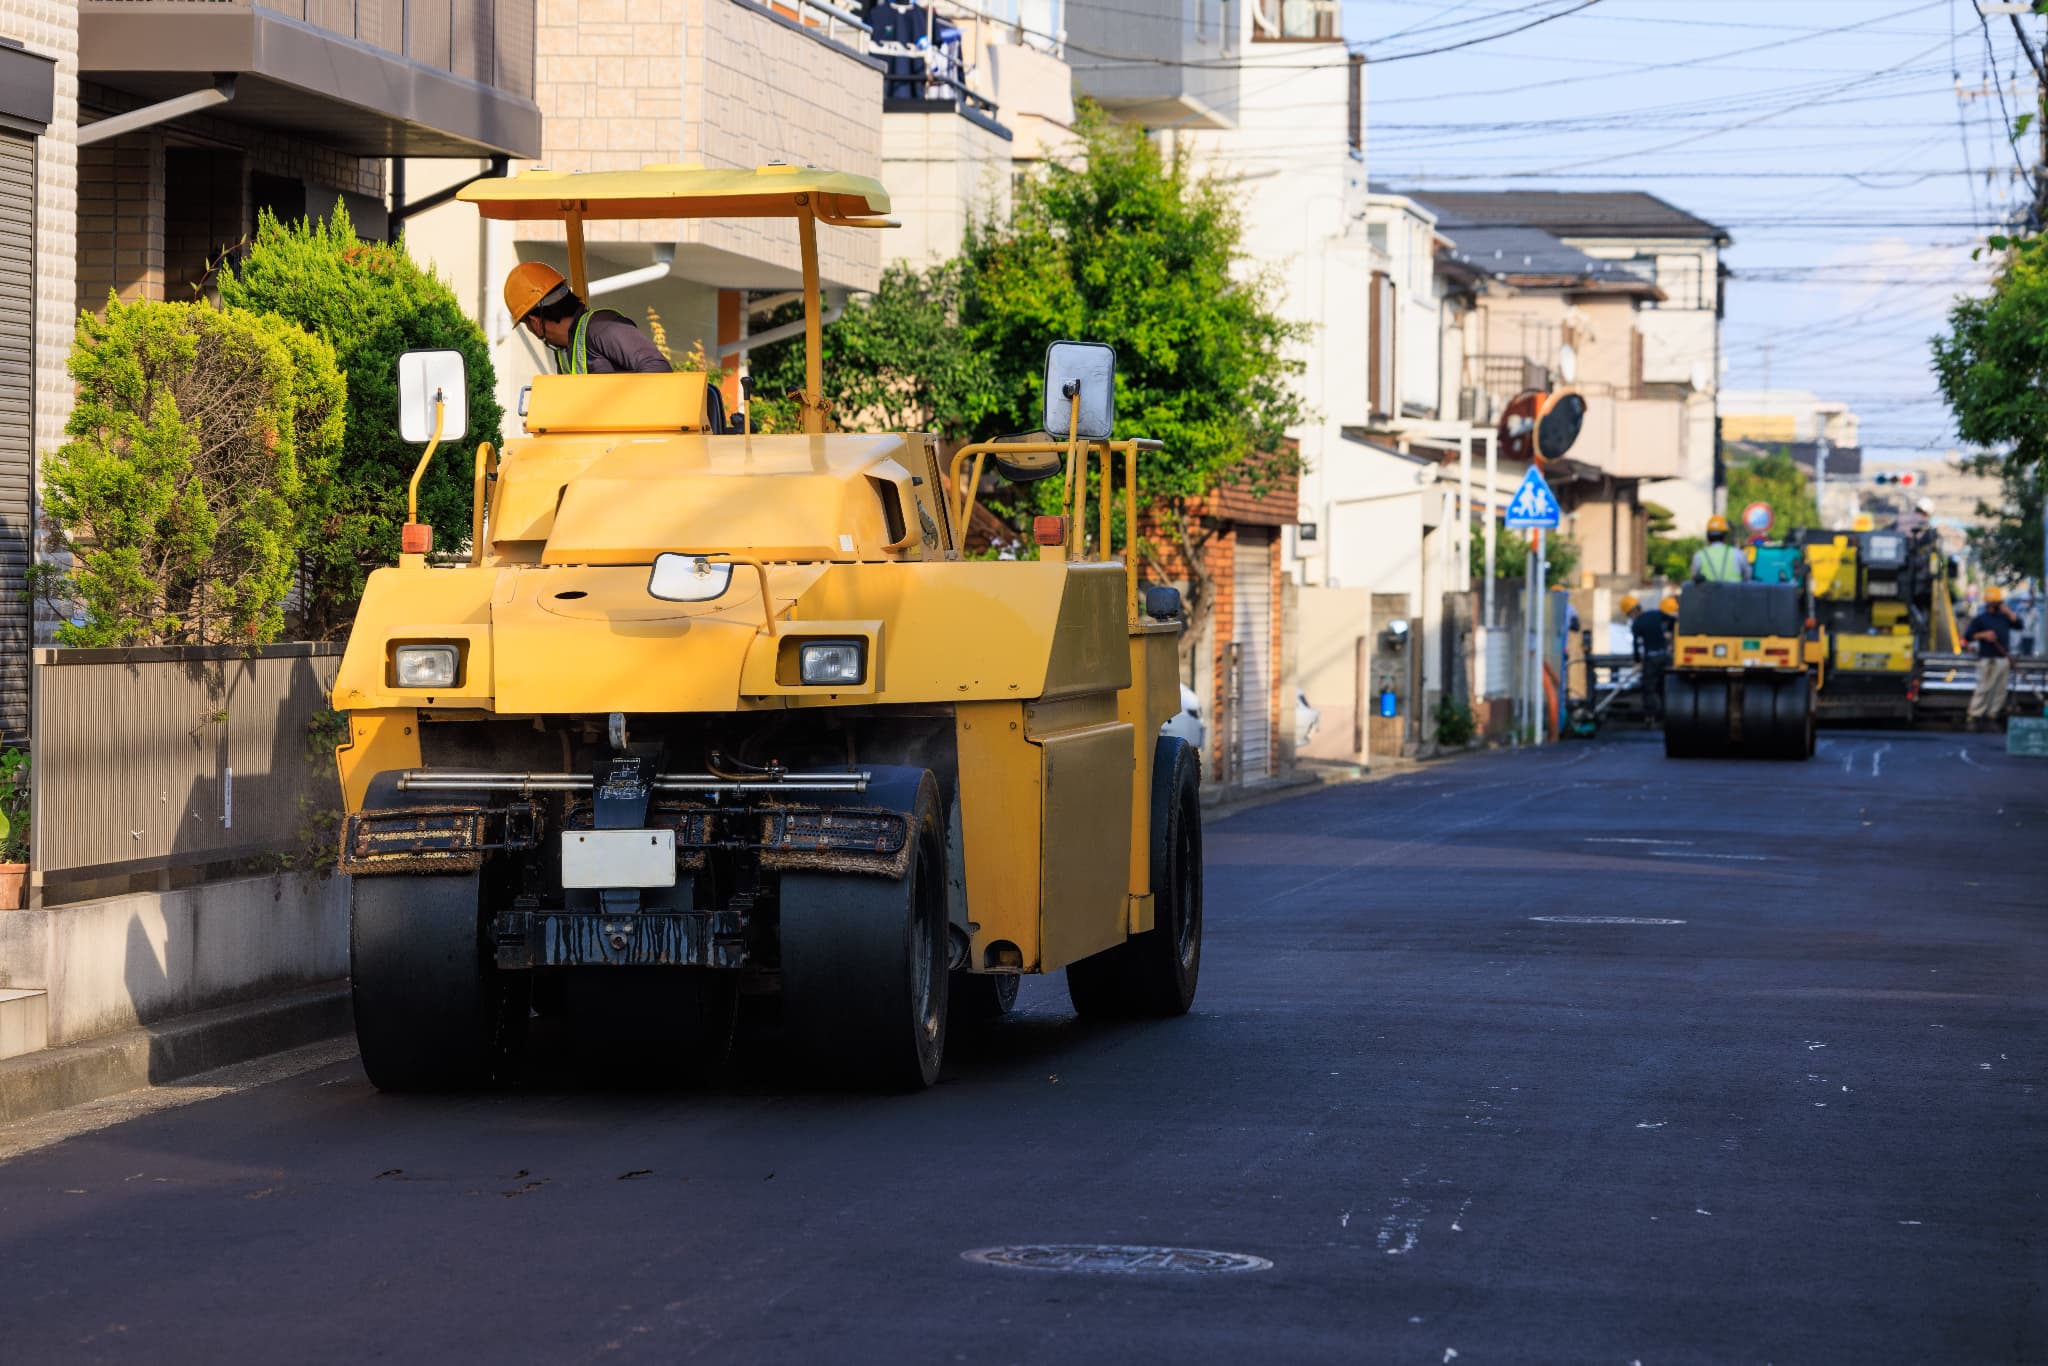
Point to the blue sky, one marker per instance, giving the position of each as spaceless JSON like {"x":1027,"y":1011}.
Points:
{"x":1855,"y":150}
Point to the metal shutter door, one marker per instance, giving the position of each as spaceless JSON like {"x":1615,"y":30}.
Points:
{"x":17,"y":422}
{"x":1252,"y":632}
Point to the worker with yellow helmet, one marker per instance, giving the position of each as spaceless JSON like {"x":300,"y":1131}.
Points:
{"x":583,"y":341}
{"x":1650,"y":639}
{"x":1718,"y":561}
{"x":1990,"y":634}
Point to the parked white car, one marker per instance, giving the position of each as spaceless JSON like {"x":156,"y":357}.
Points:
{"x":1186,"y":723}
{"x":1306,"y":719}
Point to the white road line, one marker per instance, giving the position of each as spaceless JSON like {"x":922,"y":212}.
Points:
{"x":1968,"y":760}
{"x":1595,"y":839}
{"x":1849,"y":759}
{"x":1738,"y":858}
{"x":1877,"y":759}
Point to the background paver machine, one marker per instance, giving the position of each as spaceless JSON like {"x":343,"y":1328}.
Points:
{"x":702,"y":714}
{"x":1883,"y":599}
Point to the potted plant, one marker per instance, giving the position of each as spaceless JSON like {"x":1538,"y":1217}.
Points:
{"x":13,"y":829}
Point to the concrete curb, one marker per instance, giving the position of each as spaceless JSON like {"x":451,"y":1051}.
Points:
{"x":56,"y":1078}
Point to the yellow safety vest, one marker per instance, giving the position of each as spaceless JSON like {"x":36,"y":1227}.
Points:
{"x":1721,"y":563}
{"x":575,"y":358}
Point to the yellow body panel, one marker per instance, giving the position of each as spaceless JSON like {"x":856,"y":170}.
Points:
{"x":1888,"y":653}
{"x":617,"y":403}
{"x":378,"y":742}
{"x":1002,"y":782}
{"x":1085,"y":852}
{"x":1832,"y":565}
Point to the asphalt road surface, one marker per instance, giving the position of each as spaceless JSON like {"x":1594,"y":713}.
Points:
{"x":1575,"y":1056}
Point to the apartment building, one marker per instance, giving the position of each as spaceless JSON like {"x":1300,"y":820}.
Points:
{"x":1676,"y":334}
{"x":140,"y":139}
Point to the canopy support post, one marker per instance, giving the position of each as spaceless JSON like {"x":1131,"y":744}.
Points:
{"x":814,"y":341}
{"x":579,"y":271}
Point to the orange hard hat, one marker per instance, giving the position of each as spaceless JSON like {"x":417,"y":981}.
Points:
{"x":1994,"y":594}
{"x":1629,"y":602}
{"x":1669,"y":606}
{"x":527,"y":285}
{"x":1717,"y":523}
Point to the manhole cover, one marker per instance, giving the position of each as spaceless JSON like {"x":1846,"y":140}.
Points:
{"x":1107,"y":1259}
{"x":1603,"y":920}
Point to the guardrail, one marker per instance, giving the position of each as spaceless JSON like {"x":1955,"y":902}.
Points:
{"x":155,"y":759}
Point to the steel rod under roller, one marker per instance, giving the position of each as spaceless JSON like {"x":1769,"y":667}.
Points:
{"x":415,"y":781}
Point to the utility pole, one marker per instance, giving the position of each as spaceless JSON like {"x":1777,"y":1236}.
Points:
{"x":1820,"y":473}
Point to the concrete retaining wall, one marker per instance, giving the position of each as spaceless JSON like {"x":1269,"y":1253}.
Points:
{"x":122,"y":961}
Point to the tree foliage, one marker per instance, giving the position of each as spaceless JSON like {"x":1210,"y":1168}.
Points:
{"x":1129,"y":246}
{"x":1993,"y":370}
{"x":1773,"y":478}
{"x":1124,"y":245}
{"x":897,"y":359}
{"x":1667,"y":556}
{"x":180,"y":497}
{"x":370,"y":301}
{"x":1511,"y":557}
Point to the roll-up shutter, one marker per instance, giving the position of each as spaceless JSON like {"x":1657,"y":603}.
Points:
{"x":17,"y":422}
{"x":1252,"y":632}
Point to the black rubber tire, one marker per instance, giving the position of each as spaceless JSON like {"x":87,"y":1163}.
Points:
{"x":1155,"y":973}
{"x":432,"y":1012}
{"x":976,"y":1000}
{"x":1760,"y":735}
{"x":1681,"y":720}
{"x":864,"y":976}
{"x":1711,"y":715}
{"x":1794,"y":717}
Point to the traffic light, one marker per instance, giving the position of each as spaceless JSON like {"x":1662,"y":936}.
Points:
{"x":1906,"y":479}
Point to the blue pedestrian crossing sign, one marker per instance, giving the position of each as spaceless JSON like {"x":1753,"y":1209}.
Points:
{"x":1533,"y":505}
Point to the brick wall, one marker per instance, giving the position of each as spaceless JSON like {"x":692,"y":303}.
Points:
{"x":155,"y":207}
{"x":121,"y":220}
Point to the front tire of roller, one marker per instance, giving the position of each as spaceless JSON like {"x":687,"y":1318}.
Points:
{"x":864,"y":977}
{"x":1155,"y":973}
{"x":1761,"y":737}
{"x":1681,"y":726}
{"x":1711,"y":709}
{"x":432,"y":1010}
{"x":1792,"y":706}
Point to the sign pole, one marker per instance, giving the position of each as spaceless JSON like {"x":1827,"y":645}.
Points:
{"x":1542,"y":583}
{"x":1492,"y":496}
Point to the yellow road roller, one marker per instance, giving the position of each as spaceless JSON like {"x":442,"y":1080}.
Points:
{"x":706,"y":724}
{"x":1746,"y":667}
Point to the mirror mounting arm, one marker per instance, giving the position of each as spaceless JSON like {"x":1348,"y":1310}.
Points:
{"x":413,"y":538}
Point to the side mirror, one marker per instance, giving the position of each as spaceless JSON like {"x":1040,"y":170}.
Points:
{"x":1084,"y":370}
{"x":688,"y":578}
{"x":424,"y":376}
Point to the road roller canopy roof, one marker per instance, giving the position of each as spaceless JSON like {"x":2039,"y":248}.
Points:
{"x":777,"y":190}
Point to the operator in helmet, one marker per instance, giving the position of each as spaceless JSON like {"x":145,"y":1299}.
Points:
{"x":584,"y":341}
{"x":1717,"y":561}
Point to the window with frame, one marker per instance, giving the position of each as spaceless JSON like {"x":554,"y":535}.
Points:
{"x":1294,"y":21}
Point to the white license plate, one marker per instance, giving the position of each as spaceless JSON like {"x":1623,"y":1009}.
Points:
{"x":618,"y":858}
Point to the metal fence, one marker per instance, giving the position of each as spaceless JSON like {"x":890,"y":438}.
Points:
{"x":153,"y":759}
